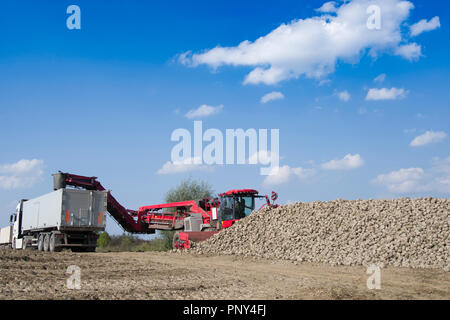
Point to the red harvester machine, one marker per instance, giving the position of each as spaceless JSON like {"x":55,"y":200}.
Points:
{"x":194,"y":220}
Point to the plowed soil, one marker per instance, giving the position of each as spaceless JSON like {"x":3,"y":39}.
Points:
{"x":153,"y":275}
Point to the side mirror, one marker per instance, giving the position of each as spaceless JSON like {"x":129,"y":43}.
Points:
{"x":11,"y":218}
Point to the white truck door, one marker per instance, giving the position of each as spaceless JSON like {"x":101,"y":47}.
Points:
{"x":16,"y":222}
{"x":16,"y":228}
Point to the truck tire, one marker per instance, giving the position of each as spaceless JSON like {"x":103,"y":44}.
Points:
{"x":52,"y":244}
{"x":47,"y":242}
{"x":176,"y":238}
{"x":41,"y":242}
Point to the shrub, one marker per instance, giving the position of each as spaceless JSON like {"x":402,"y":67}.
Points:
{"x":103,"y":240}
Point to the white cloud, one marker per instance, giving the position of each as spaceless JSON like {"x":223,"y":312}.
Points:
{"x":411,"y":51}
{"x":22,"y":174}
{"x":203,"y":111}
{"x":280,"y":175}
{"x":275,"y":95}
{"x":324,"y":82}
{"x":183,"y":166}
{"x":427,"y":138}
{"x":413,"y":180}
{"x":403,"y":180}
{"x":183,"y":58}
{"x":380,"y":78}
{"x":346,"y":163}
{"x":303,"y":173}
{"x":386,"y":94}
{"x":424,"y":25}
{"x":328,"y":7}
{"x":283,"y":174}
{"x":344,"y":96}
{"x":312,"y":47}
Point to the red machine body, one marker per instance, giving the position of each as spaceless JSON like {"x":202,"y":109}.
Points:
{"x":194,"y":220}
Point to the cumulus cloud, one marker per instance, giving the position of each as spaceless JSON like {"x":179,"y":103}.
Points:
{"x":22,"y":174}
{"x":311,"y":47}
{"x":427,"y":138}
{"x":328,"y":7}
{"x":303,"y":173}
{"x":324,"y":82}
{"x":173,"y":167}
{"x":344,"y":96}
{"x":424,"y":25}
{"x":283,"y":174}
{"x":203,"y":111}
{"x":278,"y":176}
{"x":380,"y":78}
{"x":275,"y":95}
{"x":386,"y":94}
{"x":403,"y":180}
{"x":413,"y":180}
{"x":346,"y":163}
{"x":411,"y":51}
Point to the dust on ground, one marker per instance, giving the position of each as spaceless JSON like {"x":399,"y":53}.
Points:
{"x":167,"y":275}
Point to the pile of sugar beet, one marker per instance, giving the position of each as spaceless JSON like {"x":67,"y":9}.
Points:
{"x":401,"y":232}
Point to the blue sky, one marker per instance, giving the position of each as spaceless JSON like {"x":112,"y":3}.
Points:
{"x":105,"y":99}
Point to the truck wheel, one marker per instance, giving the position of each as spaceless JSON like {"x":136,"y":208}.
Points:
{"x":47,"y":242}
{"x":52,"y":245}
{"x":176,"y":239}
{"x":41,"y":242}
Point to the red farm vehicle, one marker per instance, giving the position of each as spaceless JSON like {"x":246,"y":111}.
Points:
{"x":193,"y":220}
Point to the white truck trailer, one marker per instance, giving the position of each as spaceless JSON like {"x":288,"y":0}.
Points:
{"x":67,"y":218}
{"x":6,"y":236}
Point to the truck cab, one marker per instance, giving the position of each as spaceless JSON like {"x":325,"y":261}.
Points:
{"x":235,"y":205}
{"x":16,"y":220}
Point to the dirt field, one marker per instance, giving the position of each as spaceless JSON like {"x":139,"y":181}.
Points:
{"x":151,"y":275}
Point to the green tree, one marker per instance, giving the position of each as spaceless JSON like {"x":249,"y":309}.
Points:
{"x":188,"y":189}
{"x":103,"y":240}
